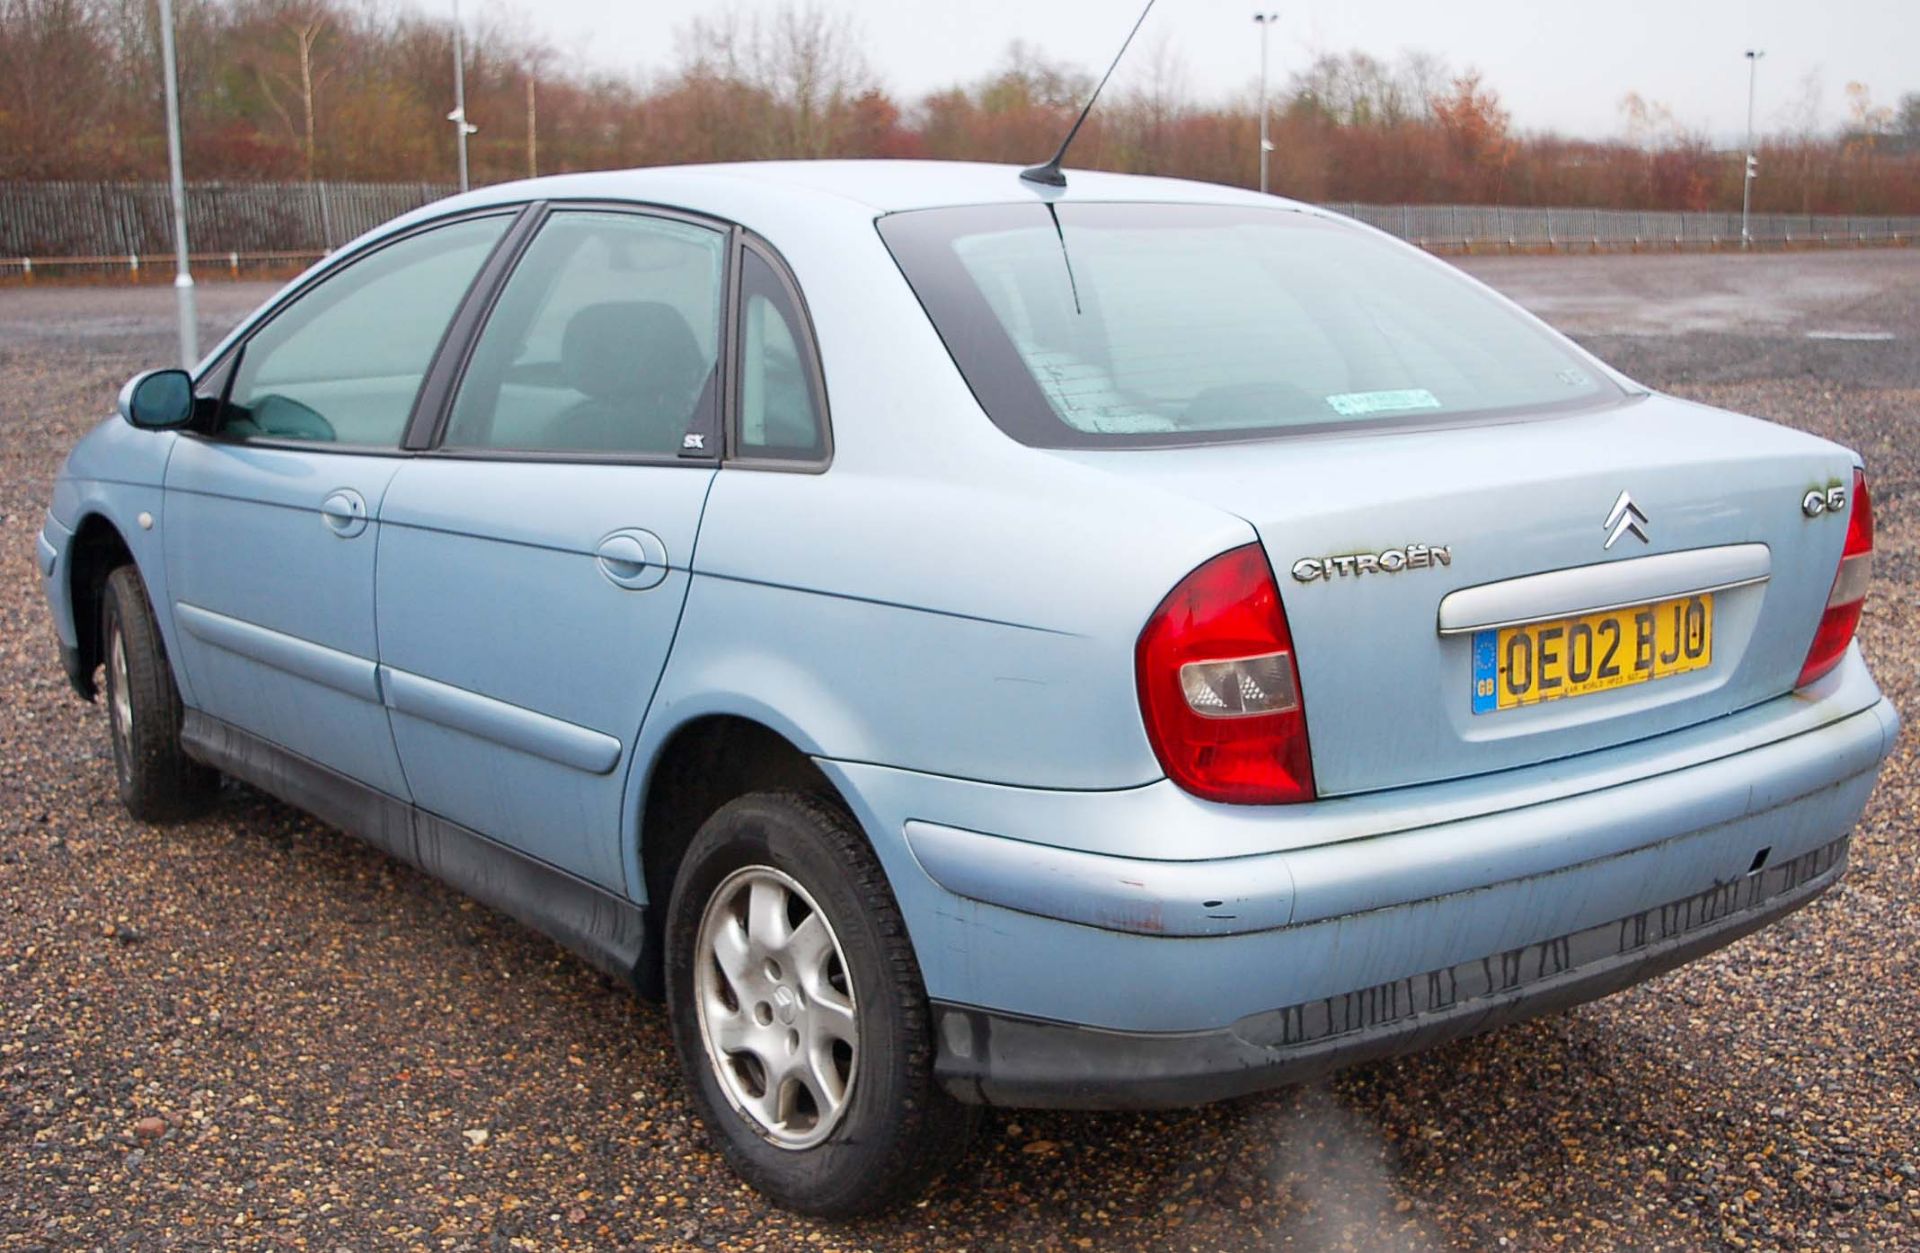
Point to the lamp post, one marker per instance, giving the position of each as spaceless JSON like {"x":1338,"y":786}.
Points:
{"x":1753,"y":164}
{"x":1264,"y":20}
{"x":182,"y":273}
{"x":458,"y":117}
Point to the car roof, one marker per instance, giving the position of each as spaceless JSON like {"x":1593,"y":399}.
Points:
{"x":866,"y":188}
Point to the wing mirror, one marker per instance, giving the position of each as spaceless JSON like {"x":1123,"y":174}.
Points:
{"x":158,"y":400}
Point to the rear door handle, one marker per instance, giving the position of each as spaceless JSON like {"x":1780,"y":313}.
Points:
{"x":632,"y":559}
{"x":345,"y":512}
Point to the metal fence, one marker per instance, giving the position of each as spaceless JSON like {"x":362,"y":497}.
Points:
{"x":121,"y":220}
{"x":1495,"y":228}
{"x":125,"y":226}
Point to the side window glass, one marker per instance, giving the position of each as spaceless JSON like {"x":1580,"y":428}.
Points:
{"x":604,"y":340}
{"x":780,"y":413}
{"x":344,"y":362}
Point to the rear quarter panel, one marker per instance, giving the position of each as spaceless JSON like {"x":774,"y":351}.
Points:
{"x":940,"y":599}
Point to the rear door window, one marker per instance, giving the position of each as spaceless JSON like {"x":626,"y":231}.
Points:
{"x":603,"y":341}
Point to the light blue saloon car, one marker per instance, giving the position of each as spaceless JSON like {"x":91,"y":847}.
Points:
{"x":968,"y":642}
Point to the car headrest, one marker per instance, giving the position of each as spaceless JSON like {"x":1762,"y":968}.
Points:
{"x":638,"y":351}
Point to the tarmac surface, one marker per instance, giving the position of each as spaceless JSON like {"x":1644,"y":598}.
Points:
{"x":250,"y":1031}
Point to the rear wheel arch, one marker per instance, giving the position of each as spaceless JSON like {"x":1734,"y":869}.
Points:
{"x":704,"y":764}
{"x":96,"y":550}
{"x":812,"y":1062}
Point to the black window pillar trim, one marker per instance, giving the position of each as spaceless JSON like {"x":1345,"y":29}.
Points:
{"x":431,"y":407}
{"x":726,"y":386}
{"x":731,"y":350}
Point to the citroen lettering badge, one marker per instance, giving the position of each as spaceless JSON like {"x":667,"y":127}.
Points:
{"x":1387,"y":561}
{"x":1625,"y":518}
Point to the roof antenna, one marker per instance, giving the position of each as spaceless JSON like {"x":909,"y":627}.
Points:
{"x":1049,"y":174}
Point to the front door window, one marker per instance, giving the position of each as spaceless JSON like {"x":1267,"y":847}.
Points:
{"x":343,"y":363}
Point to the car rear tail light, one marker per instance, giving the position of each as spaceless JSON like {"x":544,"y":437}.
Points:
{"x":1849,"y":592}
{"x":1218,"y":688}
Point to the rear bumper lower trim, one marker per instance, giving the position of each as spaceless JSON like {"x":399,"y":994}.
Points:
{"x":993,"y":1058}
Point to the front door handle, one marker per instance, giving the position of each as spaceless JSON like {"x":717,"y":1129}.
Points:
{"x":344,"y":512}
{"x":632,"y":559}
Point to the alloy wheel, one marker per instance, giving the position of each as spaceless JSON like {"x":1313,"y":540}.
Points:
{"x":119,"y":700}
{"x":776,"y":1006}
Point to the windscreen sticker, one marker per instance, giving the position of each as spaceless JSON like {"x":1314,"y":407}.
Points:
{"x":1365,"y":404}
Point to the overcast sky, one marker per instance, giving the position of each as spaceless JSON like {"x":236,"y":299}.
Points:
{"x":1561,"y":66}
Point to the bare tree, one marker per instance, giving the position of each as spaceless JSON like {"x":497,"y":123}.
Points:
{"x":1142,"y":120}
{"x":1167,"y":89}
{"x":1650,"y":124}
{"x":1355,"y":89}
{"x":49,"y":103}
{"x":304,"y":25}
{"x":1864,"y":117}
{"x":1028,"y":79}
{"x":1426,"y":76}
{"x":802,"y":59}
{"x":1803,"y":119}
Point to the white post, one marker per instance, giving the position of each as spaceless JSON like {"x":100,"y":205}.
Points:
{"x":326,"y":217}
{"x":459,"y":115}
{"x":1264,"y":20}
{"x":1747,"y":173}
{"x":182,"y":273}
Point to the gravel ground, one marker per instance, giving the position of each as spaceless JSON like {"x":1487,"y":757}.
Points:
{"x":251,"y":1031}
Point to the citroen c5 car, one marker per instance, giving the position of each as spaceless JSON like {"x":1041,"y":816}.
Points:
{"x":963,"y":641}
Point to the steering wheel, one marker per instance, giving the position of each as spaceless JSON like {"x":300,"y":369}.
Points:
{"x":274,"y":416}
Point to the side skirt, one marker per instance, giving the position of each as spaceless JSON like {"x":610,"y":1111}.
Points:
{"x":606,"y":930}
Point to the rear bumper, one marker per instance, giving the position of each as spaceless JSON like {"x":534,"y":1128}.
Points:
{"x":1063,"y":975}
{"x":999,"y":1059}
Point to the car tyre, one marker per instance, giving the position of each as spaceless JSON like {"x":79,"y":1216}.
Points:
{"x":781,"y":888}
{"x":157,"y":781}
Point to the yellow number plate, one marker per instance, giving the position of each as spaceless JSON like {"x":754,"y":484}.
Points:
{"x":1595,"y":652}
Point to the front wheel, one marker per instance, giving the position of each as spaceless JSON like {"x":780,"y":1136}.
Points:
{"x":799,"y":1014}
{"x":157,"y":780}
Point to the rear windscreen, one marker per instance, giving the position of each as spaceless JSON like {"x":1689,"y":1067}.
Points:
{"x":1094,"y":325}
